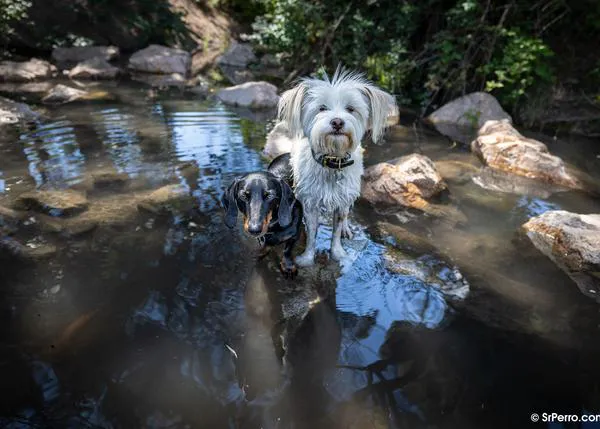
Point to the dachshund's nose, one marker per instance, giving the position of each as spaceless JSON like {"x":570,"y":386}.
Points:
{"x":255,"y":229}
{"x":337,"y":124}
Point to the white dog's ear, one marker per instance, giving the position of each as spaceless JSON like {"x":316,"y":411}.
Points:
{"x":382,"y":104}
{"x":289,"y":109}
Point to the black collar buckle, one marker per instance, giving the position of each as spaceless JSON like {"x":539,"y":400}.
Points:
{"x":333,"y":162}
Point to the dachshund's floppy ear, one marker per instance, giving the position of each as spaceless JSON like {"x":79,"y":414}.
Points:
{"x":289,"y":109}
{"x":230,"y":205}
{"x":286,"y":203}
{"x":381,"y":105}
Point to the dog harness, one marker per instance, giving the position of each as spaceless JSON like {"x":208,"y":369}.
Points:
{"x":334,"y":162}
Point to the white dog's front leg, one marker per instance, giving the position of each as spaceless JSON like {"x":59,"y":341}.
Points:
{"x":340,"y":219}
{"x":311,"y":222}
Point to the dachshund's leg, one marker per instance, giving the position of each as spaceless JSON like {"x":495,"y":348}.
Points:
{"x":288,"y":266}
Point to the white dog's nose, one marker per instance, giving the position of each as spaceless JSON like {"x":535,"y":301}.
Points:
{"x":337,"y":124}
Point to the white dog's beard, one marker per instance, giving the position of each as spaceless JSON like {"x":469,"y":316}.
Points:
{"x":332,"y":144}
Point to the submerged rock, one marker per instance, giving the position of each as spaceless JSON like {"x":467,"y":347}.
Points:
{"x":168,"y":199}
{"x":461,"y":118}
{"x":407,"y":181}
{"x":67,"y":57}
{"x":26,"y":252}
{"x":55,"y":203}
{"x":12,"y":112}
{"x":11,"y":71}
{"x":255,"y":95}
{"x":502,"y":147}
{"x":61,"y":94}
{"x":160,"y":59}
{"x":501,"y":181}
{"x":94,"y":68}
{"x":572,"y":242}
{"x":70,"y":227}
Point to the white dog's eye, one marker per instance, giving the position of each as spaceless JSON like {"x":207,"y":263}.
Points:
{"x":350,"y":109}
{"x":322,"y":108}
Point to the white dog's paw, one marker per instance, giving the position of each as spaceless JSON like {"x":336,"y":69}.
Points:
{"x":338,"y":253}
{"x":307,"y":259}
{"x":346,"y":231}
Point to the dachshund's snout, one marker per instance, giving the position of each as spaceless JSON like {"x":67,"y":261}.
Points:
{"x":255,"y":228}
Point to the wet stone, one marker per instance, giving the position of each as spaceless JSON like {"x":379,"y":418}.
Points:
{"x":70,"y":227}
{"x":63,"y":94}
{"x":26,"y":252}
{"x":54,"y":203}
{"x":572,"y":242}
{"x":168,"y":199}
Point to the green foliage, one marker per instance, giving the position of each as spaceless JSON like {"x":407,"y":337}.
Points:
{"x":11,"y":11}
{"x":426,"y":52}
{"x":518,"y":67}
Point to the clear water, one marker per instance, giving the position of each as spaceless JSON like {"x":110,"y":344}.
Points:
{"x":170,"y":321}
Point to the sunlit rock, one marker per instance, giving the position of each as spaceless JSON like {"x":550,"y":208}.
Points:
{"x":54,"y":203}
{"x":408,"y":181}
{"x":500,"y":146}
{"x":572,"y":241}
{"x":255,"y":95}
{"x":34,"y":69}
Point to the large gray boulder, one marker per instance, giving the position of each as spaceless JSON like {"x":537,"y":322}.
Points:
{"x":34,"y":69}
{"x":161,"y":60}
{"x":238,"y":55}
{"x":255,"y":95}
{"x":94,"y":68}
{"x":68,"y":57}
{"x":461,"y":118}
{"x":500,"y":146}
{"x":571,"y":241}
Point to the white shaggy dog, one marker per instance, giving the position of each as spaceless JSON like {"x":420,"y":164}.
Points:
{"x":327,"y":120}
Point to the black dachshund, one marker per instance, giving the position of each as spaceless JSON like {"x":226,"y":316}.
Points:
{"x":271,"y":212}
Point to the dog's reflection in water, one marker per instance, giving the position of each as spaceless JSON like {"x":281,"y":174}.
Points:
{"x":283,"y":359}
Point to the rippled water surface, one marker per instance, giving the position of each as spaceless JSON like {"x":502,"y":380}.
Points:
{"x":137,"y":320}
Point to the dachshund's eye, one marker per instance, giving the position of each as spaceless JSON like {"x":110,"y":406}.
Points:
{"x":322,"y":108}
{"x":268,"y":196}
{"x":350,"y":109}
{"x":245,"y":195}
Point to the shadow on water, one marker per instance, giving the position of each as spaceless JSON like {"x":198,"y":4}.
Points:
{"x":167,"y":320}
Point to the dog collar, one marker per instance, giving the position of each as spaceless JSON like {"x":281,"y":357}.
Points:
{"x":334,"y":162}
